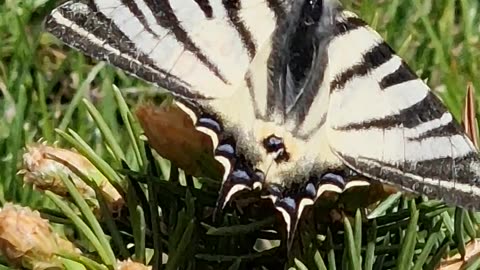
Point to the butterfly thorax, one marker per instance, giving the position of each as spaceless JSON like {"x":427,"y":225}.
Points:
{"x":285,"y":158}
{"x":284,"y":150}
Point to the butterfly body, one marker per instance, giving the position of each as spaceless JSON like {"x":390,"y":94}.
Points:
{"x":296,"y":96}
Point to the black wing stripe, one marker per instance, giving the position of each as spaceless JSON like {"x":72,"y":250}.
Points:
{"x":110,"y":44}
{"x":402,"y":74}
{"x":440,"y":168}
{"x":428,"y":109}
{"x":251,"y":91}
{"x":205,"y":6}
{"x":278,"y":8}
{"x":166,"y":18}
{"x":232,"y":8}
{"x":448,"y":130}
{"x":132,"y":6}
{"x":351,"y":23}
{"x":377,"y":56}
{"x":112,"y":35}
{"x":436,"y":178}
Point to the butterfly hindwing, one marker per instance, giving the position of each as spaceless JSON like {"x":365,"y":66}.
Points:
{"x":399,"y":131}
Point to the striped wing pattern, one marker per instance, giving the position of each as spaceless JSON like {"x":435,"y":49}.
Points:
{"x":314,"y":72}
{"x":197,"y":49}
{"x":400,"y":132}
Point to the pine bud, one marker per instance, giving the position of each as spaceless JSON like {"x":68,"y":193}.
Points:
{"x":131,"y":265}
{"x":469,"y":117}
{"x":28,"y":240}
{"x":45,"y":173}
{"x":167,"y":125}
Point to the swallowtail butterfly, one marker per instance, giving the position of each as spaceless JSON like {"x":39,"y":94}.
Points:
{"x":294,"y":94}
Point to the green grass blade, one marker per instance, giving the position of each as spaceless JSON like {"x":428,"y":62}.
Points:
{"x":300,"y":265}
{"x":379,"y":262}
{"x":184,"y":243}
{"x":83,"y":206}
{"x":74,"y":139}
{"x":79,"y":94}
{"x":371,"y":243}
{"x":331,"y":252}
{"x":408,"y":244}
{"x":437,"y":257}
{"x":236,"y":265}
{"x":134,"y":140}
{"x":89,"y":263}
{"x":107,"y":133}
{"x":14,"y":146}
{"x":3,"y":267}
{"x":468,"y":224}
{"x":346,"y":260}
{"x":431,"y":241}
{"x":382,"y":208}
{"x":137,"y":222}
{"x":319,"y":263}
{"x":447,"y":221}
{"x":241,"y":228}
{"x":155,"y":220}
{"x":140,"y":234}
{"x":82,"y":227}
{"x":351,"y":246}
{"x":459,"y":231}
{"x":107,"y":218}
{"x":358,"y":233}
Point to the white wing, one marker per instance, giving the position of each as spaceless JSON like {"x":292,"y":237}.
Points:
{"x":385,"y":123}
{"x":197,"y":49}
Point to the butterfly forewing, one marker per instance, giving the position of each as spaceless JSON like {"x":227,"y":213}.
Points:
{"x":197,"y":49}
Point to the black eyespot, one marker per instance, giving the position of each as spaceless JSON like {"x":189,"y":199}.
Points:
{"x":310,"y":190}
{"x":240,"y":175}
{"x":274,"y":144}
{"x":274,"y":190}
{"x":210,"y":123}
{"x":288,"y":203}
{"x":226,"y":150}
{"x":333,"y":178}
